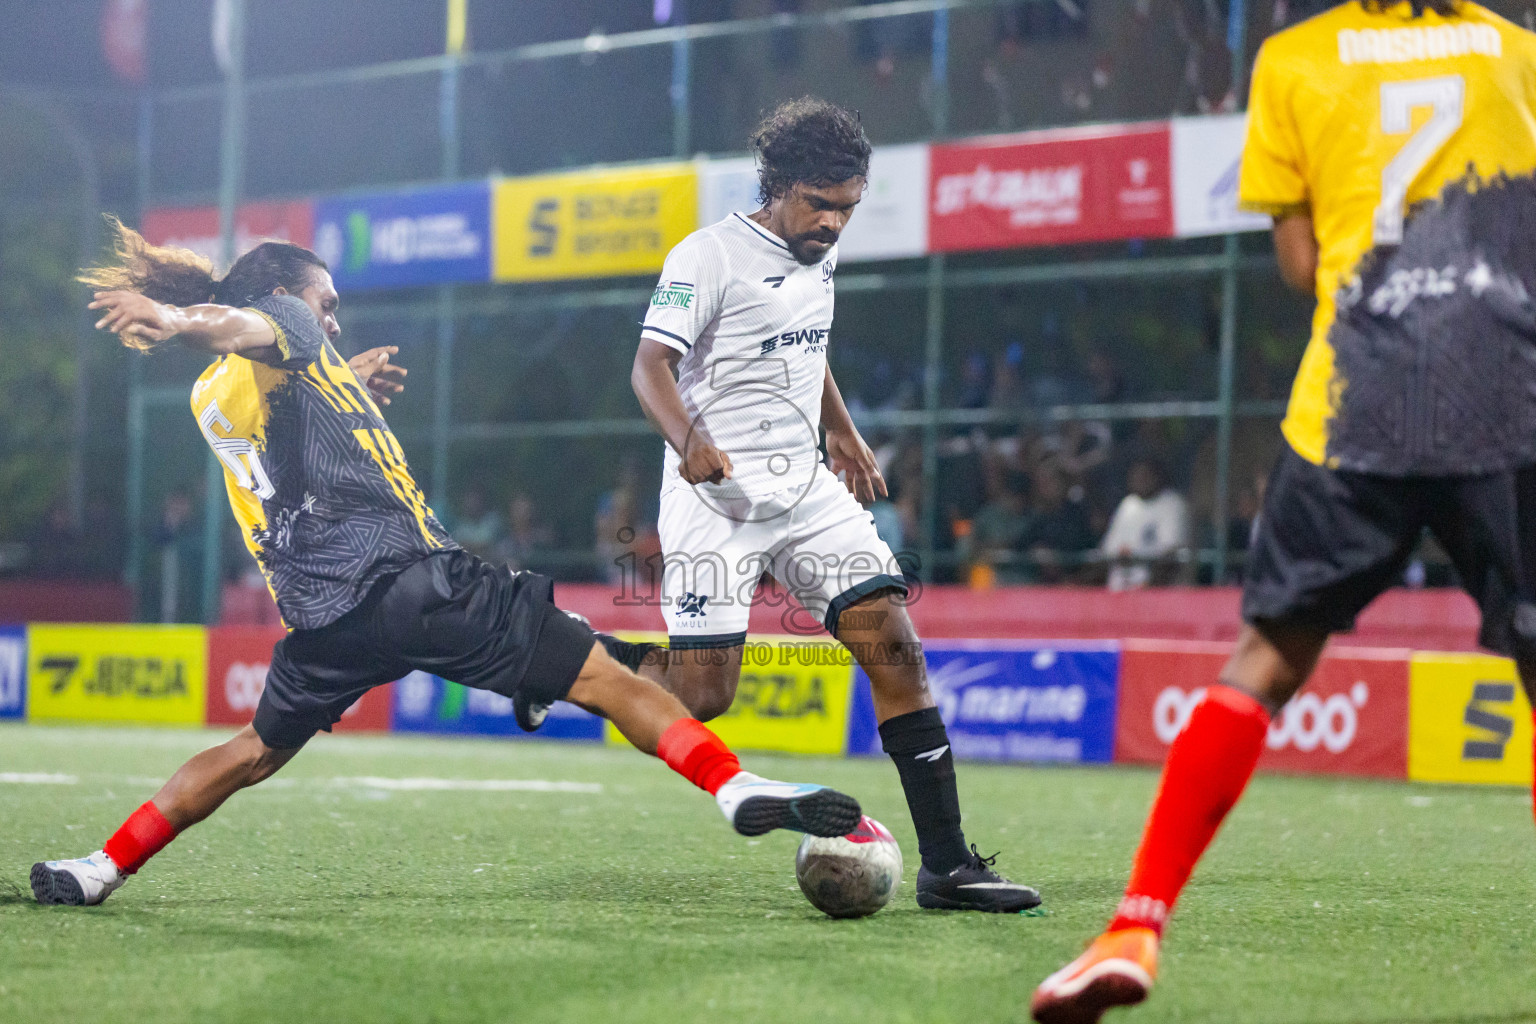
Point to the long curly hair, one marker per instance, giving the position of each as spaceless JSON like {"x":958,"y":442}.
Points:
{"x":811,"y":142}
{"x":180,"y":277}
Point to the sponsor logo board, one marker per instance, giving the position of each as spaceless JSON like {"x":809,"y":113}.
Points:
{"x":423,"y":236}
{"x":591,"y":223}
{"x":197,"y":227}
{"x":150,"y":674}
{"x":1047,"y":188}
{"x":13,"y":671}
{"x":1005,"y":702}
{"x":891,"y":221}
{"x":1350,"y":719}
{"x":1207,"y":154}
{"x":792,"y":697}
{"x":1471,"y":721}
{"x":238,"y":659}
{"x":426,"y":703}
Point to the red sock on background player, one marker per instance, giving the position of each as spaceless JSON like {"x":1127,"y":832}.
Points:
{"x":144,"y":834}
{"x":1208,"y":767}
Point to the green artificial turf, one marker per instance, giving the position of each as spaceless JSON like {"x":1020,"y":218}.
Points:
{"x":316,"y":897}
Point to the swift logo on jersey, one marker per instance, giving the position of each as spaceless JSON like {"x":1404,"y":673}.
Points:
{"x":673,"y":295}
{"x":813,"y":338}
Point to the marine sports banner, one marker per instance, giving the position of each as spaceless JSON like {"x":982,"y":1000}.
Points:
{"x":238,"y":659}
{"x":13,"y":672}
{"x":1051,"y":187}
{"x":596,"y":223}
{"x":424,"y":703}
{"x":436,"y":235}
{"x":149,"y":674}
{"x":1352,"y":718}
{"x":197,"y":227}
{"x":1005,"y":701}
{"x":792,"y":697}
{"x":1471,"y":721}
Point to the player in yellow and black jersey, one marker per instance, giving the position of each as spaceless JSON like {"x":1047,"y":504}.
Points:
{"x":367,"y":580}
{"x":1394,"y":144}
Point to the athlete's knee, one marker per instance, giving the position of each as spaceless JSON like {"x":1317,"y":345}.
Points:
{"x":704,"y":680}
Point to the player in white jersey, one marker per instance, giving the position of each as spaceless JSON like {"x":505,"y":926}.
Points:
{"x":732,"y":371}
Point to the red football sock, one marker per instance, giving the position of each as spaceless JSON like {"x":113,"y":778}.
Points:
{"x":697,"y":754}
{"x":1207,"y":770}
{"x":144,"y":834}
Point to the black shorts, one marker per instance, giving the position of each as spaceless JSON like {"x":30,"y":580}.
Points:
{"x":1330,"y":541}
{"x":450,"y":614}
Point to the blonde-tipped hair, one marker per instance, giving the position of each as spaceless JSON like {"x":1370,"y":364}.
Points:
{"x":165,"y":273}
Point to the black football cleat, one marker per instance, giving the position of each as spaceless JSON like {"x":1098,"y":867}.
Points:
{"x":974,"y":886}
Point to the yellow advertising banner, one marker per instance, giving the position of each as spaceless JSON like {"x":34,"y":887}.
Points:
{"x":600,"y":223}
{"x":1468,"y":720}
{"x":152,"y":674}
{"x":793,"y":697}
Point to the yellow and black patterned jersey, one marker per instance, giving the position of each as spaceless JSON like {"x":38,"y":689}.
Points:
{"x":316,"y":480}
{"x":1412,"y":142}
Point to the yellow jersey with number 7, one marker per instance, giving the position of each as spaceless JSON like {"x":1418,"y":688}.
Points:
{"x":1410,"y":138}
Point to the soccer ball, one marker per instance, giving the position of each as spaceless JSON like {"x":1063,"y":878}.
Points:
{"x":850,"y":876}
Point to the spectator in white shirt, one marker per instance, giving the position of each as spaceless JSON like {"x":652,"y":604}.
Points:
{"x":1149,"y":531}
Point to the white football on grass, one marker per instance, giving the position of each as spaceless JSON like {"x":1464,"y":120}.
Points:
{"x":853,"y":875}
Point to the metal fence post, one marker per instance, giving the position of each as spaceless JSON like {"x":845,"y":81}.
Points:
{"x":231,"y":174}
{"x":442,"y":391}
{"x":133,"y":489}
{"x":933,"y":368}
{"x":682,"y":58}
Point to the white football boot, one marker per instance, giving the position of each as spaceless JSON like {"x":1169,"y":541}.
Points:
{"x":756,"y":805}
{"x":77,"y":883}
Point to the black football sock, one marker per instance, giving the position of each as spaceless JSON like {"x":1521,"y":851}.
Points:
{"x":919,"y":745}
{"x":625,"y":653}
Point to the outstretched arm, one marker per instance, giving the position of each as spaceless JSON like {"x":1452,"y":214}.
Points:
{"x":849,"y":454}
{"x":221,"y":330}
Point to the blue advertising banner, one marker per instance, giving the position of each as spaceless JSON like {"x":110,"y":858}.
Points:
{"x":438,"y":235}
{"x":1012,"y":702}
{"x":13,"y":671}
{"x":425,"y":703}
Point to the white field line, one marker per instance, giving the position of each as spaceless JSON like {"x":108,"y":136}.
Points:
{"x":37,"y":779}
{"x":407,"y":785}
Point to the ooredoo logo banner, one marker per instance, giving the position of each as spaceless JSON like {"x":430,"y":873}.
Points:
{"x":238,"y":659}
{"x":1351,"y":719}
{"x":1046,"y":188}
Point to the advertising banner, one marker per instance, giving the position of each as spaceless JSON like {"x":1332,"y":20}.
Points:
{"x":726,"y":186}
{"x":792,"y":697}
{"x":592,"y":223}
{"x":1047,"y":188}
{"x":13,"y":672}
{"x":436,"y":235}
{"x":1207,"y":153}
{"x":197,"y":227}
{"x":1471,"y":721}
{"x":1012,"y":702}
{"x":1351,"y":719}
{"x":425,"y":703}
{"x":150,"y":674}
{"x":238,"y":658}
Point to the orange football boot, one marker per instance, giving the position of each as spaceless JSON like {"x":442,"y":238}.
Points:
{"x":1116,"y":970}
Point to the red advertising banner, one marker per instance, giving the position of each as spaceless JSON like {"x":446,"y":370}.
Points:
{"x":238,"y":657}
{"x":1350,"y":719}
{"x":1046,"y":188}
{"x":197,"y":227}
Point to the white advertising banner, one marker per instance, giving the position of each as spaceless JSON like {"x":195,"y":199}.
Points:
{"x":1207,"y":152}
{"x":891,"y":221}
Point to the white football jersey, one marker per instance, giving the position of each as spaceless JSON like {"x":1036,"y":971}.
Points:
{"x":752,"y":324}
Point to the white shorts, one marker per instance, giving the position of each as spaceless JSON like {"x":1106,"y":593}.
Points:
{"x":817,"y":541}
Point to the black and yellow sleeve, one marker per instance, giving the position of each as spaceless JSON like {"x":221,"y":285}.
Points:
{"x":299,"y":337}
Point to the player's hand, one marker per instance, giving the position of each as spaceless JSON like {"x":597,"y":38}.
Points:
{"x":853,"y":460}
{"x":135,"y":317}
{"x":374,"y":369}
{"x":704,"y":463}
